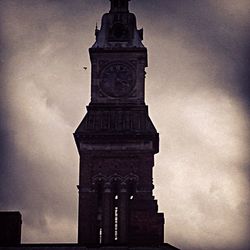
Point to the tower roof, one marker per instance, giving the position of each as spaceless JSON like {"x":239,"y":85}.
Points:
{"x":118,"y":28}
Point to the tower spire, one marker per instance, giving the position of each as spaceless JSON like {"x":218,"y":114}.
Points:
{"x":119,"y":5}
{"x":118,"y":28}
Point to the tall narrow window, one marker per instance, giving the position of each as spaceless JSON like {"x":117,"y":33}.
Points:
{"x":116,"y":223}
{"x":100,"y":235}
{"x":99,"y":212}
{"x":116,"y":217}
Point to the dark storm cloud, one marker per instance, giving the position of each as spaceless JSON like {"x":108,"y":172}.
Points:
{"x":197,"y":87}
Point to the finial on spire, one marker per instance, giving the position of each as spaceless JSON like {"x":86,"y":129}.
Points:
{"x":119,"y":5}
{"x":96,"y":30}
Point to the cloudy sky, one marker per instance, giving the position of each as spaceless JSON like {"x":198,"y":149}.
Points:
{"x":197,"y":89}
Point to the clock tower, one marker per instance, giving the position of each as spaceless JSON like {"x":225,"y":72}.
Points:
{"x":117,"y":141}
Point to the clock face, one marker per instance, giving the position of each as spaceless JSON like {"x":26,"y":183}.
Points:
{"x":117,"y":80}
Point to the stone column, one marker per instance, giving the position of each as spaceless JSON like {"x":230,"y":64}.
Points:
{"x":107,"y":234}
{"x":87,"y":221}
{"x":123,"y":214}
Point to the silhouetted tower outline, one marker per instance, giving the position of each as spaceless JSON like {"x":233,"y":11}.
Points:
{"x":117,"y":141}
